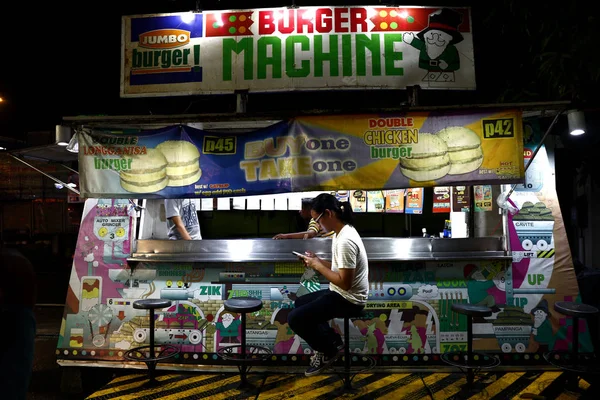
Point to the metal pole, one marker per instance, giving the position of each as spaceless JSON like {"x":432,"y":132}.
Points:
{"x":243,"y":355}
{"x":70,"y":169}
{"x":538,"y":148}
{"x":45,"y":174}
{"x":152,"y":364}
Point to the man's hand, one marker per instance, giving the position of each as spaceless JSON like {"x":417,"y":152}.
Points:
{"x":408,"y":37}
{"x":443,"y":64}
{"x":280,"y":236}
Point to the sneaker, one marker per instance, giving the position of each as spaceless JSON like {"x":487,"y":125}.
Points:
{"x":319,"y":362}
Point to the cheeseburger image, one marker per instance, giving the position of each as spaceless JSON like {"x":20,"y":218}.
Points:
{"x":148,"y":173}
{"x":183,"y":167}
{"x":464,"y":148}
{"x":428,"y":160}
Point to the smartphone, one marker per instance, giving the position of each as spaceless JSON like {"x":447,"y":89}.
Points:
{"x":299,"y":254}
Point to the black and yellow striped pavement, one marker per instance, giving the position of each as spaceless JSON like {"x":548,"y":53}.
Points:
{"x":396,"y":386}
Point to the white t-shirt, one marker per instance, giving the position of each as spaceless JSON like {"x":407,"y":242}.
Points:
{"x":348,"y":251}
{"x":186,"y":209}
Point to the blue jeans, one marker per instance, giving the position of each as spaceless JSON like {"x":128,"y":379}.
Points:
{"x":311,"y":315}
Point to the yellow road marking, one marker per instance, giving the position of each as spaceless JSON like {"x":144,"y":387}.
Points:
{"x":293,"y":387}
{"x":541,"y":383}
{"x":448,"y":391}
{"x":158,"y":389}
{"x":412,"y":387}
{"x":494,"y":388}
{"x":383,"y":382}
{"x":116,"y":389}
{"x":126,"y":378}
{"x":204,"y":389}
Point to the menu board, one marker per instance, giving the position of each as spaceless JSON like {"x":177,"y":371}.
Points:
{"x":483,"y":198}
{"x":414,"y":201}
{"x":358,"y":200}
{"x":394,"y":200}
{"x":375,"y":201}
{"x":461,"y":199}
{"x":441,"y":199}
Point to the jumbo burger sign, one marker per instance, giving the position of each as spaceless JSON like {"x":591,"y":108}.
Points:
{"x":308,"y":48}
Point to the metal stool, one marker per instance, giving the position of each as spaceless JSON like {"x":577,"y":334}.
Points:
{"x":470,"y":361}
{"x":244,"y":305}
{"x":349,"y":371}
{"x":574,"y":361}
{"x":165,"y":351}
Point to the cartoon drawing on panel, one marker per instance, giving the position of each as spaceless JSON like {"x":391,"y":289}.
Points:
{"x":91,"y":292}
{"x":373,"y":331}
{"x":415,"y":342}
{"x":479,"y":280}
{"x":286,"y":341}
{"x":436,"y":44}
{"x":111,"y":225}
{"x":542,"y":330}
{"x":228,"y":328}
{"x":534,"y":225}
{"x":371,"y":339}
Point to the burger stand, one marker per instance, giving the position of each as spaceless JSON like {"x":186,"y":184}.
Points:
{"x":129,"y":165}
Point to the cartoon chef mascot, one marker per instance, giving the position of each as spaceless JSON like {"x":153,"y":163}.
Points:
{"x":438,"y":55}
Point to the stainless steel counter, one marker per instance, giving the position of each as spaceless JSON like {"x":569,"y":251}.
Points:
{"x":269,"y":250}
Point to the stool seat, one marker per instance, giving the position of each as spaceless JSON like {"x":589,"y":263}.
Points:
{"x":243,"y":304}
{"x":575,"y":309}
{"x":471,"y":310}
{"x":151,"y":304}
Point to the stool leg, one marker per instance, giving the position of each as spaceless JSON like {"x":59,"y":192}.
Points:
{"x":572,"y":377}
{"x":243,"y":369}
{"x":470,"y":372}
{"x":151,"y":364}
{"x":575,"y":349}
{"x":347,"y":383}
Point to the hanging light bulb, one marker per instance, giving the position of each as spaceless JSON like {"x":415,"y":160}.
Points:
{"x":576,"y":120}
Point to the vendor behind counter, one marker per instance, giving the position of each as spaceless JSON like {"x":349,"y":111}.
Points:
{"x":265,"y":224}
{"x":182,"y":219}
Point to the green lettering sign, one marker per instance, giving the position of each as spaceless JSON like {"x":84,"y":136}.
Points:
{"x":245,"y":45}
{"x":263,"y":60}
{"x":332,"y":57}
{"x":363,"y":43}
{"x":391,"y":55}
{"x":290,"y":57}
{"x":347,"y":55}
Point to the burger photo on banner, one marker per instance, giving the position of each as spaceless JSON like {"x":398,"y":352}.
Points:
{"x":451,"y":151}
{"x":173,"y":163}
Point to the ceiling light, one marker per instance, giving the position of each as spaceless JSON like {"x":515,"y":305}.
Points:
{"x":63,"y":135}
{"x":576,"y":120}
{"x":73,"y":145}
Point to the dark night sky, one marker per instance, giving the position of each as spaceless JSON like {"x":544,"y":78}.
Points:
{"x":63,"y":58}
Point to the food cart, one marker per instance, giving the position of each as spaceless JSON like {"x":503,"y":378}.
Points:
{"x":122,"y":254}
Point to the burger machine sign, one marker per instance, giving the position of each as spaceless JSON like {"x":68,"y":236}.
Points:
{"x":308,"y":153}
{"x":307,"y":48}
